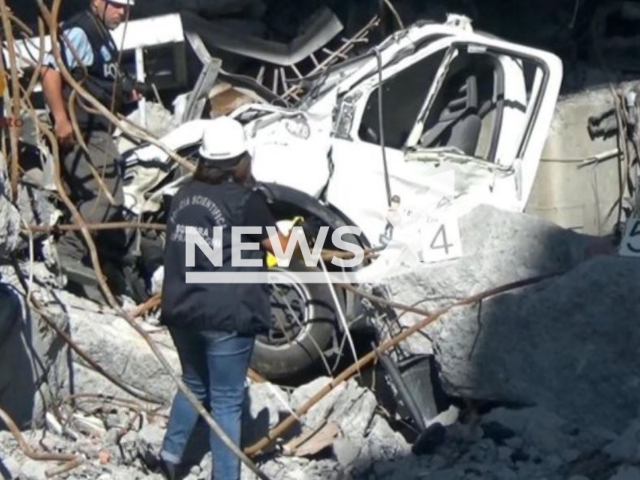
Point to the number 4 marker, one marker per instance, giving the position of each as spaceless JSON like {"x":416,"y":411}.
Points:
{"x":441,"y":240}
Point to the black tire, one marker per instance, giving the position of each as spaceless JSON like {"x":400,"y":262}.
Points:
{"x":288,"y":349}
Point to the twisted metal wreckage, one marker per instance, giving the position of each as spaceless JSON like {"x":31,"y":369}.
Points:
{"x":492,"y":139}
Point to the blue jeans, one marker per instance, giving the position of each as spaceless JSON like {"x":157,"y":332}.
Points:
{"x":214,"y":367}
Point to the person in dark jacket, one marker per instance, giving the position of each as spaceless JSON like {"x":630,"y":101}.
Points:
{"x":213,"y":325}
{"x":92,"y":175}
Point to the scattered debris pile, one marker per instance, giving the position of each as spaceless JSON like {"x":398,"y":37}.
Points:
{"x":117,"y":434}
{"x":517,"y":444}
{"x":538,"y":382}
{"x":550,"y":345}
{"x":352,"y":440}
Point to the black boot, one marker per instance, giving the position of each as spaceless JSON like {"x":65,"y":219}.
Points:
{"x":168,"y":470}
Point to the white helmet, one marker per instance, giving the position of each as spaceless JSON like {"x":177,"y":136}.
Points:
{"x":129,"y":3}
{"x":223,"y":139}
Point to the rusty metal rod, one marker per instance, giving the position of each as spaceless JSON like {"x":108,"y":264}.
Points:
{"x":71,"y":460}
{"x":395,"y":13}
{"x":98,"y":227}
{"x":39,"y":308}
{"x":41,"y":51}
{"x":36,"y":72}
{"x":285,"y":425}
{"x":347,"y":47}
{"x":118,"y":401}
{"x":23,"y":26}
{"x":255,"y":376}
{"x":143,"y":308}
{"x":15,"y":98}
{"x":70,"y":465}
{"x":384,"y":301}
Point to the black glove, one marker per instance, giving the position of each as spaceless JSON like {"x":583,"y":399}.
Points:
{"x":130,"y":85}
{"x":144,"y":89}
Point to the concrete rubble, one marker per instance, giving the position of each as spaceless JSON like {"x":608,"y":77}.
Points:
{"x":109,"y":340}
{"x":521,"y":351}
{"x":363,"y":433}
{"x":498,"y":248}
{"x":97,"y":433}
{"x":526,"y":354}
{"x":551,"y":344}
{"x":501,"y":444}
{"x":539,"y":383}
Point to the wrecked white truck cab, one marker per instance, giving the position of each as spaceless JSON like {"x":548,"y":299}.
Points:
{"x":372,"y":132}
{"x":451,"y":99}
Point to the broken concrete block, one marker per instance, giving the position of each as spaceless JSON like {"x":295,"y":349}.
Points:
{"x":365,"y":436}
{"x":554,"y":350}
{"x":9,"y":461}
{"x":531,"y":345}
{"x":149,"y":440}
{"x":545,"y":433}
{"x":287,"y":468}
{"x":354,"y":410}
{"x":34,"y":205}
{"x":111,"y":342}
{"x":552,"y":344}
{"x":9,"y":222}
{"x":318,"y":412}
{"x":346,"y":451}
{"x":564,"y":193}
{"x":33,"y":469}
{"x":34,"y":366}
{"x":569,"y":455}
{"x":499,"y":248}
{"x":497,"y":432}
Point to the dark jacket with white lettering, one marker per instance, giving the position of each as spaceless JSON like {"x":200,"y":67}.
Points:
{"x":104,"y":79}
{"x":242,"y":308}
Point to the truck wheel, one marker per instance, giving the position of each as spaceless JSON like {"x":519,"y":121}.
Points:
{"x":303,"y":322}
